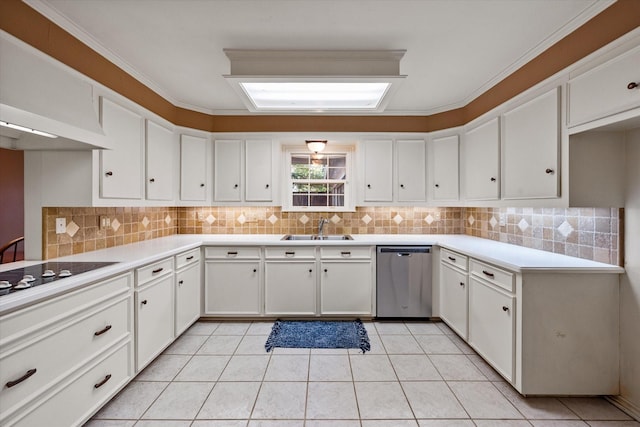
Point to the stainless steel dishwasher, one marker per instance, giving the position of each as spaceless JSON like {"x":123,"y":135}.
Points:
{"x":403,"y":287}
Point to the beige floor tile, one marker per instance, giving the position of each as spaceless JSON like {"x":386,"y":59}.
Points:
{"x":260,"y":328}
{"x":232,"y":328}
{"x":446,"y":423}
{"x":220,"y":344}
{"x":483,"y":400}
{"x":283,"y":350}
{"x":558,"y":423}
{"x":437,"y":344}
{"x":288,"y":368}
{"x":401,"y":344}
{"x":389,"y":423}
{"x":164,"y":368}
{"x":594,"y":408}
{"x":485,"y":368}
{"x":281,"y":400}
{"x":424,"y":328}
{"x":230,"y":401}
{"x":463,"y":346}
{"x":132,"y":401}
{"x":179,"y":401}
{"x":502,"y":423}
{"x":252,"y":344}
{"x":456,"y":367}
{"x":332,"y":423}
{"x":433,"y":399}
{"x":445,"y":328}
{"x":391,"y":328}
{"x":376,"y":346}
{"x":217,"y":423}
{"x":279,"y":423}
{"x":382,"y":400}
{"x":163,"y":423}
{"x":371,"y":367}
{"x":331,"y":400}
{"x":330,"y":368}
{"x":186,"y":344}
{"x":613,"y":423}
{"x":540,"y":408}
{"x":203,"y":368}
{"x":329,"y":351}
{"x":202,"y":328}
{"x":245,"y":368}
{"x":110,"y":423}
{"x":414,"y":367}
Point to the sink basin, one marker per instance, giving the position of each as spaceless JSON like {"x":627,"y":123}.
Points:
{"x":317,"y":237}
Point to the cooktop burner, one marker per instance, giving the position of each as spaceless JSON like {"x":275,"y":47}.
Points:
{"x":42,"y":274}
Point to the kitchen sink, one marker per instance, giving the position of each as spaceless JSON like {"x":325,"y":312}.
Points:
{"x":317,"y":237}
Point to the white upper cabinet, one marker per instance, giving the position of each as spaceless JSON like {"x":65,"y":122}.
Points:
{"x":480,"y":162}
{"x":530,"y":147}
{"x":121,"y":168}
{"x":412,"y":158}
{"x":605,"y":90}
{"x":258,"y":171}
{"x":160,"y":163}
{"x":378,"y":170}
{"x":445,"y":168}
{"x":227,"y":170}
{"x":193,"y":168}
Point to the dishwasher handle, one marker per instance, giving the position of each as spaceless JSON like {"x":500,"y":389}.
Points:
{"x":403,"y":254}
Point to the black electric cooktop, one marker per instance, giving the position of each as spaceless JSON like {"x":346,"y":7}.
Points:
{"x":42,"y":274}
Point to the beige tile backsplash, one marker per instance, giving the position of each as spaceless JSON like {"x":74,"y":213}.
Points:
{"x":590,"y":233}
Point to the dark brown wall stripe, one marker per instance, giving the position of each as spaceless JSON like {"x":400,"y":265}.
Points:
{"x":26,"y":24}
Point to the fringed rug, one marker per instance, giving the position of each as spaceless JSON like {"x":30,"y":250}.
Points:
{"x":318,"y":334}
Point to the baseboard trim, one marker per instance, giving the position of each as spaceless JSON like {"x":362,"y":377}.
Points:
{"x":625,"y":405}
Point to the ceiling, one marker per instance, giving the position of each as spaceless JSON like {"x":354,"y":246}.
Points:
{"x":456,"y":49}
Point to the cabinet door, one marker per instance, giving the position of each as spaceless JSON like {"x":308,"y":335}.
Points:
{"x":346,"y":288}
{"x":154,"y":320}
{"x":159,"y":162}
{"x":492,"y":325}
{"x":227,"y":171}
{"x":378,"y":171}
{"x":412,"y":158}
{"x":121,"y":167}
{"x":290,"y":288}
{"x":445,"y":168}
{"x":480,"y":162}
{"x":530,"y":149}
{"x":258,"y":171}
{"x":454,"y":298}
{"x":187,"y":297}
{"x":232,"y":287}
{"x":193,"y":166}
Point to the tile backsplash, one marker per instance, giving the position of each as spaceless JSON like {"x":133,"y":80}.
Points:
{"x":590,"y":233}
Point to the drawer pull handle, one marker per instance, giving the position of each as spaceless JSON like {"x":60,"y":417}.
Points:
{"x":632,"y":85}
{"x":29,"y":373}
{"x":109,"y":173}
{"x":232,"y":253}
{"x":549,"y":171}
{"x":181,"y":282}
{"x":289,"y":254}
{"x":143,"y":302}
{"x":102,"y":331}
{"x":157,"y":270}
{"x":346,"y":253}
{"x":462,"y":284}
{"x":189,"y":258}
{"x":452,"y":258}
{"x":103,"y":382}
{"x":505,"y":308}
{"x":488,"y":274}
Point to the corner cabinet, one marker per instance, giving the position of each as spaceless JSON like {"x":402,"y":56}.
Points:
{"x":445,"y":168}
{"x":531,"y":148}
{"x":193,"y":168}
{"x":480,"y":162}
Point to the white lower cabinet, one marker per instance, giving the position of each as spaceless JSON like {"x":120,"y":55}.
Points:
{"x":454,"y":306}
{"x":188,"y":291}
{"x":346,"y":288}
{"x":232,"y":287}
{"x":290,"y":288}
{"x":492,"y":325}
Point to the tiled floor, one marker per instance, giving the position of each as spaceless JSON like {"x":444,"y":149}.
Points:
{"x":416,"y":375}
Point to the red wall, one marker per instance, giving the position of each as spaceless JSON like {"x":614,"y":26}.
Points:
{"x":11,"y":197}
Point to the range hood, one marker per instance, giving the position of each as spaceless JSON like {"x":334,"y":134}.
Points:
{"x":37,"y":92}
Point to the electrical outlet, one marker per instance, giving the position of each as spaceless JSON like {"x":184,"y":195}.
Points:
{"x":105,"y":222}
{"x":437,"y":216}
{"x":61,"y":225}
{"x":502,"y":220}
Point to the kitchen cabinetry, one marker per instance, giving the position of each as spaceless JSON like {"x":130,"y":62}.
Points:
{"x":187,"y":290}
{"x":121,"y":167}
{"x":193,"y":168}
{"x":454,"y":291}
{"x":154,"y":308}
{"x":605,"y":90}
{"x":290,"y":281}
{"x":160,"y":164}
{"x":530,"y":148}
{"x":86,"y":336}
{"x":378,"y":170}
{"x":232,"y":281}
{"x":258,"y":171}
{"x":480,"y":162}
{"x":445,"y":168}
{"x":227,"y":170}
{"x":346,"y":281}
{"x":411,"y":170}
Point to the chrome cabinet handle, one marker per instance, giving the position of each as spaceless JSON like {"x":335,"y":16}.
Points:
{"x":103,"y":382}
{"x":29,"y":373}
{"x":102,"y":331}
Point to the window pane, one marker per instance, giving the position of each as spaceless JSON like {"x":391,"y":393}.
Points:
{"x":336,"y":201}
{"x":337,"y":173}
{"x":317,"y":200}
{"x":318,"y":188}
{"x":300,"y":200}
{"x":318,"y":172}
{"x":336,"y":189}
{"x":300,"y":159}
{"x":338,"y":161}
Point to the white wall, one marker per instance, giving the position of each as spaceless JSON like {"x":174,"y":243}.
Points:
{"x":630,"y":283}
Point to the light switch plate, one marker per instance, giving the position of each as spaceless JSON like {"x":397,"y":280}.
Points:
{"x":61,"y":225}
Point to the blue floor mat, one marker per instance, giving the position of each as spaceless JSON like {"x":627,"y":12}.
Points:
{"x":318,"y":334}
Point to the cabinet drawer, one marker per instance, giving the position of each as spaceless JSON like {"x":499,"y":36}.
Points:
{"x":454,"y":258}
{"x":296,"y":252}
{"x":152,"y":271}
{"x":491,"y":274}
{"x":77,"y":400}
{"x":232,"y":252}
{"x":48,"y":314}
{"x":69,"y":346}
{"x":345,"y":252}
{"x":187,"y":258}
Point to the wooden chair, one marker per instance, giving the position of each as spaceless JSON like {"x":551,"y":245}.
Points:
{"x":9,"y":246}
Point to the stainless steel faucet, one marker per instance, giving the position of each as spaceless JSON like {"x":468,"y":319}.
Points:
{"x":321,"y":224}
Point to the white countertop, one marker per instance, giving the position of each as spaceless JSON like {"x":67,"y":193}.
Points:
{"x":128,"y":257}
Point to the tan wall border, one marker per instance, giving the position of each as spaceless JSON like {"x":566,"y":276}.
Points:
{"x":23,"y":22}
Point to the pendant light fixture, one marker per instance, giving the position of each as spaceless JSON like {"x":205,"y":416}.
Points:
{"x":316,"y":145}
